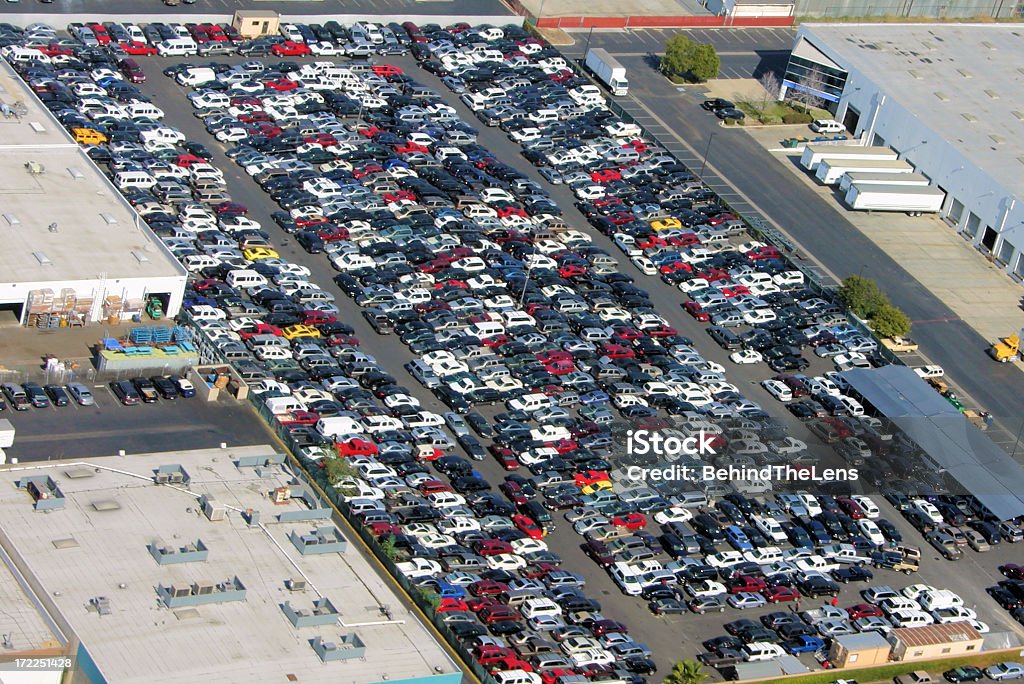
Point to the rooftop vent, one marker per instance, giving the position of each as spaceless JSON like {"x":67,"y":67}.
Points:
{"x":942,"y":96}
{"x":1019,"y":114}
{"x":915,"y":74}
{"x":65,"y":543}
{"x":965,"y":73}
{"x":37,"y":127}
{"x":109,"y":219}
{"x":105,"y":505}
{"x":992,"y":94}
{"x":42,"y":258}
{"x":11,"y":219}
{"x":75,"y":173}
{"x":988,"y":44}
{"x":997,"y":139}
{"x":927,"y":45}
{"x":970,"y":118}
{"x":140,"y":257}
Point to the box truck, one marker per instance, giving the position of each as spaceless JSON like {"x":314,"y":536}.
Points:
{"x":608,"y":70}
{"x":813,"y":154}
{"x":911,"y":199}
{"x":830,"y":170}
{"x":880,"y":178}
{"x":6,"y":434}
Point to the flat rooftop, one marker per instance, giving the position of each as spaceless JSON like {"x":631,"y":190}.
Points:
{"x":963,"y":81}
{"x":96,"y":545}
{"x":68,"y":222}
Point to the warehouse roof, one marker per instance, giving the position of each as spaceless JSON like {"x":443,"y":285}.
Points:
{"x":930,"y":635}
{"x":950,"y":442}
{"x":103,"y":543}
{"x":963,"y":81}
{"x":60,"y":218}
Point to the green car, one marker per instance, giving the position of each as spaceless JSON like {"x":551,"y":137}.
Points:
{"x":952,"y":399}
{"x":965,"y":673}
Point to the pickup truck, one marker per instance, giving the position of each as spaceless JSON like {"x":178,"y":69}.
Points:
{"x":893,"y":560}
{"x":899,"y":345}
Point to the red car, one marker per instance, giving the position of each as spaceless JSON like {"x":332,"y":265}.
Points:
{"x":290,"y":48}
{"x":384,"y":529}
{"x":602,"y":627}
{"x":539,"y":570}
{"x":695,"y":310}
{"x":187,"y":160}
{"x":491,"y":547}
{"x":451,"y":605}
{"x":864,"y":610}
{"x":631,"y":521}
{"x":100,"y":31}
{"x":299,"y":418}
{"x":281,"y":84}
{"x":260,"y":329}
{"x":231,"y":208}
{"x":505,"y":457}
{"x":780,"y":594}
{"x":556,"y":675}
{"x":387,"y":70}
{"x":744,"y":583}
{"x":55,"y":50}
{"x":851,"y":507}
{"x":487,"y":588}
{"x":590,"y":477}
{"x":356,"y":447}
{"x":528,"y":526}
{"x":313,"y":317}
{"x":432,"y":486}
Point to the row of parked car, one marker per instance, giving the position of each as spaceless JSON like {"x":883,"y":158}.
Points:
{"x":26,"y":395}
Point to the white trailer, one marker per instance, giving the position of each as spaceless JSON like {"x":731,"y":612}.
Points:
{"x":913,"y":200}
{"x":813,"y":154}
{"x":6,"y":434}
{"x":830,"y":170}
{"x":878,"y":178}
{"x":608,"y":70}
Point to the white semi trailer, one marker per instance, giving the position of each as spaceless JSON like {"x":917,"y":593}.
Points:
{"x":913,"y":200}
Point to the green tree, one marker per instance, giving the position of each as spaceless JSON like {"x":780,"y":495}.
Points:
{"x":686,"y":672}
{"x":889,"y":321}
{"x":338,"y":469}
{"x":387,"y":545}
{"x":862,"y":296}
{"x":703,"y":62}
{"x":674,"y":62}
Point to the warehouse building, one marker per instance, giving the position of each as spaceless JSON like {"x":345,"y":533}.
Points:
{"x":948,"y":98}
{"x":215,"y":566}
{"x":74,"y":251}
{"x":935,"y":641}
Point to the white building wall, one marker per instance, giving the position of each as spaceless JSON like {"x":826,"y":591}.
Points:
{"x":981,"y":194}
{"x":129,"y":288}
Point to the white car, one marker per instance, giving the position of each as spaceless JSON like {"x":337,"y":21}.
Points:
{"x":929,"y":372}
{"x":778,"y":389}
{"x":869,"y":507}
{"x":645,"y":265}
{"x":746,"y":599}
{"x":746,"y":356}
{"x":703,"y":588}
{"x":827,"y":126}
{"x":673,"y":514}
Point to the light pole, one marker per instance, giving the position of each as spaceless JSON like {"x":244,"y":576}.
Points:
{"x":706,"y":151}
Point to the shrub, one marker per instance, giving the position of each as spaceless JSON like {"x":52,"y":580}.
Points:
{"x":770,"y":119}
{"x":796,"y":118}
{"x":889,"y":321}
{"x":862,"y":296}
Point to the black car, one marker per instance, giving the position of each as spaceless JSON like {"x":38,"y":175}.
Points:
{"x":36,"y":395}
{"x":165,"y":387}
{"x":1004,"y":598}
{"x":639,"y":664}
{"x":717,"y":103}
{"x":730,"y":113}
{"x":852,"y":573}
{"x":964,"y":673}
{"x":57,"y":395}
{"x":815,"y":586}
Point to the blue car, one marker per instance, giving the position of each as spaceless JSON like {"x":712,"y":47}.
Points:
{"x":803,"y":644}
{"x":736,"y":537}
{"x":448,"y":590}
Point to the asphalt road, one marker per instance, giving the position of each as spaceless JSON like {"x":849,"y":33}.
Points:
{"x":107,"y":427}
{"x":744,"y":53}
{"x":752,"y":180}
{"x":684,"y":634}
{"x":443,"y":9}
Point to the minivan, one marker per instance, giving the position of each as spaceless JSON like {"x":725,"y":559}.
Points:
{"x":125,"y":392}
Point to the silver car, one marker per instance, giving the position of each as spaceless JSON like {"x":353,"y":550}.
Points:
{"x":80,"y":393}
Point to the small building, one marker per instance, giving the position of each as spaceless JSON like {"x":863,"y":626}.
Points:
{"x":737,"y":9}
{"x":859,"y":650}
{"x":256,"y":23}
{"x":935,"y":641}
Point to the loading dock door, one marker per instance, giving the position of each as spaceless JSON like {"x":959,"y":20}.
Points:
{"x":851,"y":119}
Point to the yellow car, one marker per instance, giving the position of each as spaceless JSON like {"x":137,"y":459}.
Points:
{"x":666,"y":223}
{"x":88,"y":136}
{"x":258,"y":253}
{"x":595,"y":487}
{"x":294,"y":331}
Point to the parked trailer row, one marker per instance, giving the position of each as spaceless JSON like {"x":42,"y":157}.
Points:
{"x":880,"y":178}
{"x":831,"y":170}
{"x":813,"y":154}
{"x":914,"y":200}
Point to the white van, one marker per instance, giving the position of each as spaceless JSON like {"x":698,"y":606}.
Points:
{"x":540,"y":606}
{"x":143,"y":110}
{"x":827,"y":126}
{"x":910,"y":618}
{"x":245,"y":278}
{"x":177,"y":47}
{"x":196,"y":76}
{"x":133,"y":180}
{"x":333,"y":426}
{"x":940,"y":598}
{"x":762,"y":650}
{"x":282,"y":405}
